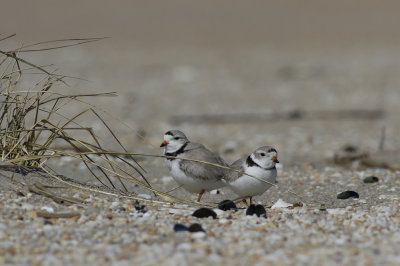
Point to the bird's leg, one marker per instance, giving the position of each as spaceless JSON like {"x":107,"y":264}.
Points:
{"x":245,"y":202}
{"x":251,"y":198}
{"x":201,"y":194}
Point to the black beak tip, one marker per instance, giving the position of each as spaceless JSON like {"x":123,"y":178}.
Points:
{"x":162,"y":145}
{"x":277,"y":161}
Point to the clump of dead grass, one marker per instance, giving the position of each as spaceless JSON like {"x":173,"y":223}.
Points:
{"x":34,"y":125}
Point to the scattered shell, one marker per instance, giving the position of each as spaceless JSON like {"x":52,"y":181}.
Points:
{"x":204,"y":213}
{"x":47,"y":209}
{"x":145,"y":196}
{"x":281,"y":204}
{"x":371,"y":179}
{"x":227,"y":205}
{"x":348,"y":194}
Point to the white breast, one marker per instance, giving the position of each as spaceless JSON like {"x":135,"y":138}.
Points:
{"x":246,"y":186}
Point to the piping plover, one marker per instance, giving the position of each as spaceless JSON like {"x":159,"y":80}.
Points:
{"x":193,"y":176}
{"x":261,"y":164}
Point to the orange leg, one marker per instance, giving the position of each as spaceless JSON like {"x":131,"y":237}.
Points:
{"x":200,"y":195}
{"x":245,"y":202}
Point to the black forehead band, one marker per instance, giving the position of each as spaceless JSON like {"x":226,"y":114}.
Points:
{"x":169,"y":133}
{"x":271,"y":150}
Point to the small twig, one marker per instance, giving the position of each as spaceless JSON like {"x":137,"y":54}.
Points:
{"x":50,"y":215}
{"x":41,"y":190}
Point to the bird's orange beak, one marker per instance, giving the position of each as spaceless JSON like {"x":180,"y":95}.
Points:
{"x":164,"y":143}
{"x":274,"y":159}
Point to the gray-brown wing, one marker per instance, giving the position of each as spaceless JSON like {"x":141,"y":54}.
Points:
{"x":237,"y":165}
{"x":198,"y":170}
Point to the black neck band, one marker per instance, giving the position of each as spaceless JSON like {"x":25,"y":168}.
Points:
{"x":175,"y":153}
{"x":250,"y":162}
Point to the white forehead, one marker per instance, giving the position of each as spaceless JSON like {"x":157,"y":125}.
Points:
{"x":168,"y":137}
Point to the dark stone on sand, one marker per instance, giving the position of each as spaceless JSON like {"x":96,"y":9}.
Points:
{"x":19,"y":193}
{"x":195,"y":228}
{"x":251,"y":210}
{"x":348,"y":194}
{"x":204,"y":213}
{"x":47,"y":222}
{"x":371,"y":179}
{"x":21,"y":171}
{"x":227,"y":205}
{"x":140,"y":208}
{"x":180,"y":228}
{"x":258,"y":210}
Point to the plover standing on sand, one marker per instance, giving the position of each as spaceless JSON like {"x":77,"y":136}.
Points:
{"x":193,"y":176}
{"x":261,"y":164}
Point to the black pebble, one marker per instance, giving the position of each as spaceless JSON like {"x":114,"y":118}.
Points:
{"x":350,"y":148}
{"x":204,"y":213}
{"x":195,"y":228}
{"x":139,"y":207}
{"x":21,"y":171}
{"x":19,"y":193}
{"x":371,"y":179}
{"x":258,"y":210}
{"x":227,"y":205}
{"x":180,"y":228}
{"x":251,"y":210}
{"x":48,"y":222}
{"x":348,"y":194}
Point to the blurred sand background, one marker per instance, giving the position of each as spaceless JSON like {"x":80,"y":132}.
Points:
{"x":167,"y":58}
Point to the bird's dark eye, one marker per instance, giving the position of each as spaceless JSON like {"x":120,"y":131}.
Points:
{"x":176,"y":138}
{"x":262,"y":154}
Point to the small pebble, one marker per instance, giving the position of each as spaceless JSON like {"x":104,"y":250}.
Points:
{"x":258,"y":210}
{"x":227,"y":205}
{"x":21,"y":171}
{"x":114,"y":204}
{"x":47,"y":222}
{"x":348,"y":194}
{"x":371,"y":179}
{"x":47,"y":209}
{"x":195,"y":228}
{"x":199,"y":235}
{"x":139,"y":207}
{"x":180,"y":228}
{"x":19,"y":193}
{"x":145,"y":196}
{"x":251,"y":210}
{"x":204,"y":213}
